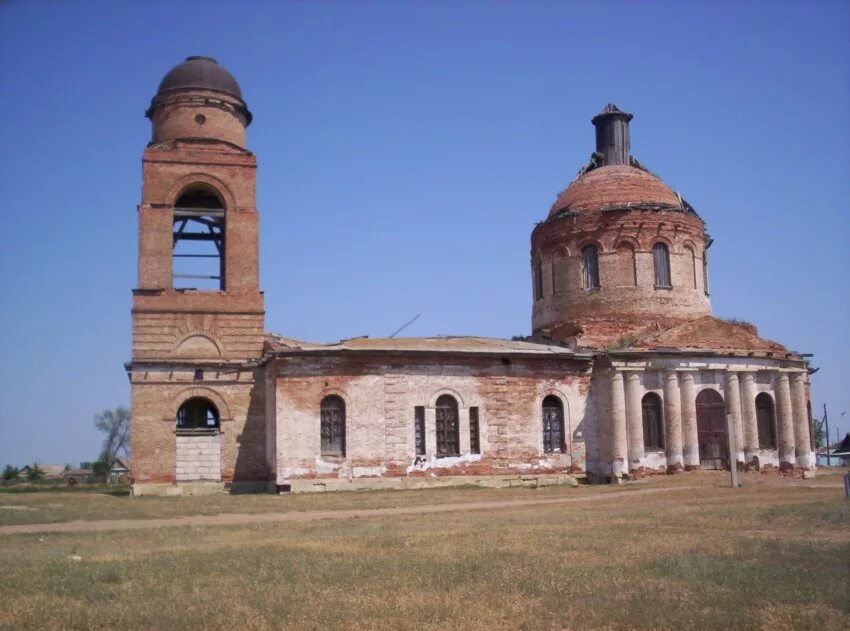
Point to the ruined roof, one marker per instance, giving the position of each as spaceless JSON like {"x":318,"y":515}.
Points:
{"x":616,"y":186}
{"x":200,"y":73}
{"x":711,"y":333}
{"x":441,"y":344}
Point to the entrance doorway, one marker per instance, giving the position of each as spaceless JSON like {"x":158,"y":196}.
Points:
{"x":711,"y":430}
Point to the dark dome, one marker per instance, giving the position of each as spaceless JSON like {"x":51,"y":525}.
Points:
{"x":200,"y":73}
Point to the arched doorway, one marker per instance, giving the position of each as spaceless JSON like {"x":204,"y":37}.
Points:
{"x":198,"y":448}
{"x":711,"y":430}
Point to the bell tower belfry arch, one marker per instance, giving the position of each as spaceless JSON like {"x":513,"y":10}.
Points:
{"x":198,"y":312}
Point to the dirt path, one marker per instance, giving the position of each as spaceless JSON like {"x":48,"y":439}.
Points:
{"x":232,"y":519}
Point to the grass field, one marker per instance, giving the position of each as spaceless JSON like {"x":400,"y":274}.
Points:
{"x":772,"y":555}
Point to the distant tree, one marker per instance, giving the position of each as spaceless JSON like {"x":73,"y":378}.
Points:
{"x":115,"y":424}
{"x":820,"y":433}
{"x":11,"y":472}
{"x":35,"y":473}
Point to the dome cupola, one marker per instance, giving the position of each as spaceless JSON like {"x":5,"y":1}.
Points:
{"x":199,"y":100}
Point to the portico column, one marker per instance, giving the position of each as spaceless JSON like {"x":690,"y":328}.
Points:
{"x":673,"y":421}
{"x":690,"y":439}
{"x":749,"y":420}
{"x":786,"y":422}
{"x":733,"y":408}
{"x":619,"y":455}
{"x":801,"y":421}
{"x":634,"y":418}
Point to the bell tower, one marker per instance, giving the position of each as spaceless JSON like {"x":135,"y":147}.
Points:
{"x":198,"y":313}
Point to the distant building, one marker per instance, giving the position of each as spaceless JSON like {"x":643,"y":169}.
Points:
{"x":627,"y":371}
{"x":120,"y":471}
{"x":50,"y":471}
{"x":77,"y":476}
{"x":839,"y":455}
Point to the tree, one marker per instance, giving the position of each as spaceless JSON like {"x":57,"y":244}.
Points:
{"x":35,"y":473}
{"x":820,"y":434}
{"x":115,"y":424}
{"x":11,"y":472}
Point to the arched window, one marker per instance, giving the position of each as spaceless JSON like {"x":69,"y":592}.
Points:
{"x":766,"y":421}
{"x":197,"y":413}
{"x":198,"y":240}
{"x":661,"y":261}
{"x":653,"y":425}
{"x":448,"y":441}
{"x":590,"y":267}
{"x":626,"y":271}
{"x":693,"y":256}
{"x":538,"y":281}
{"x":553,"y":425}
{"x":333,"y":426}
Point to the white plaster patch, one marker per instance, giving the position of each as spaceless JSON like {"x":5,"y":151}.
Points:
{"x":655,"y":460}
{"x":360,"y":472}
{"x":323,"y":466}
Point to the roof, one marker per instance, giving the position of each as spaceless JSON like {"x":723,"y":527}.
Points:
{"x":616,"y":186}
{"x":712,"y":333}
{"x":200,"y":73}
{"x":441,"y":344}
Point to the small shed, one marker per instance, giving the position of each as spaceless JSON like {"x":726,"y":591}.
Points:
{"x":77,"y":476}
{"x":120,"y":471}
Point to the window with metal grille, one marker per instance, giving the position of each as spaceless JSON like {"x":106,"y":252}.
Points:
{"x":538,"y":281}
{"x":653,"y":425}
{"x":553,"y":425}
{"x":448,"y":443}
{"x":766,"y":421}
{"x":198,"y":241}
{"x":419,"y":429}
{"x":474,"y":436}
{"x":333,"y":426}
{"x":661,"y":261}
{"x":590,"y":267}
{"x":197,"y":413}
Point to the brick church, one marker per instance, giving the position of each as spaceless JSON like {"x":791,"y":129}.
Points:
{"x":626,"y":372}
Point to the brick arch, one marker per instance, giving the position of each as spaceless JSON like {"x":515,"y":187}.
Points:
{"x":581,"y":244}
{"x":197,"y":333}
{"x":327,"y":392}
{"x":432,"y":402}
{"x":554,"y":392}
{"x":198,"y":391}
{"x":192,"y":179}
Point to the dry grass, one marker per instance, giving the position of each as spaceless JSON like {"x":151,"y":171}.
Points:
{"x":771,"y":555}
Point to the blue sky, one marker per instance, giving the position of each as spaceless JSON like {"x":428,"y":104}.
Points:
{"x":406,"y":150}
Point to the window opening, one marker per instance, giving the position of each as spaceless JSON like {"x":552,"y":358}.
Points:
{"x":766,"y":421}
{"x":653,"y":424}
{"x":590,"y":267}
{"x":333,"y":426}
{"x":553,"y":425}
{"x":705,"y":271}
{"x":198,"y":241}
{"x":419,"y":429}
{"x":197,"y":413}
{"x":538,"y":281}
{"x":447,"y":426}
{"x":661,"y":260}
{"x":474,"y":436}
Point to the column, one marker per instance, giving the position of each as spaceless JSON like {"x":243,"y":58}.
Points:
{"x":801,"y":421}
{"x":733,"y":408}
{"x":785,"y":421}
{"x":748,"y":414}
{"x":690,"y":439}
{"x":634,"y":417}
{"x":619,"y":455}
{"x":673,"y":421}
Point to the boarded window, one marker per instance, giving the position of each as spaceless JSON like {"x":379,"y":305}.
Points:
{"x":766,"y":420}
{"x":661,"y":261}
{"x":553,"y":425}
{"x":538,"y":281}
{"x":693,"y":257}
{"x":448,"y":443}
{"x":474,"y":436}
{"x":419,"y":429}
{"x":626,"y":271}
{"x":653,"y":425}
{"x":560,"y":275}
{"x":590,"y":267}
{"x":333,"y":426}
{"x":197,"y":413}
{"x":705,"y":271}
